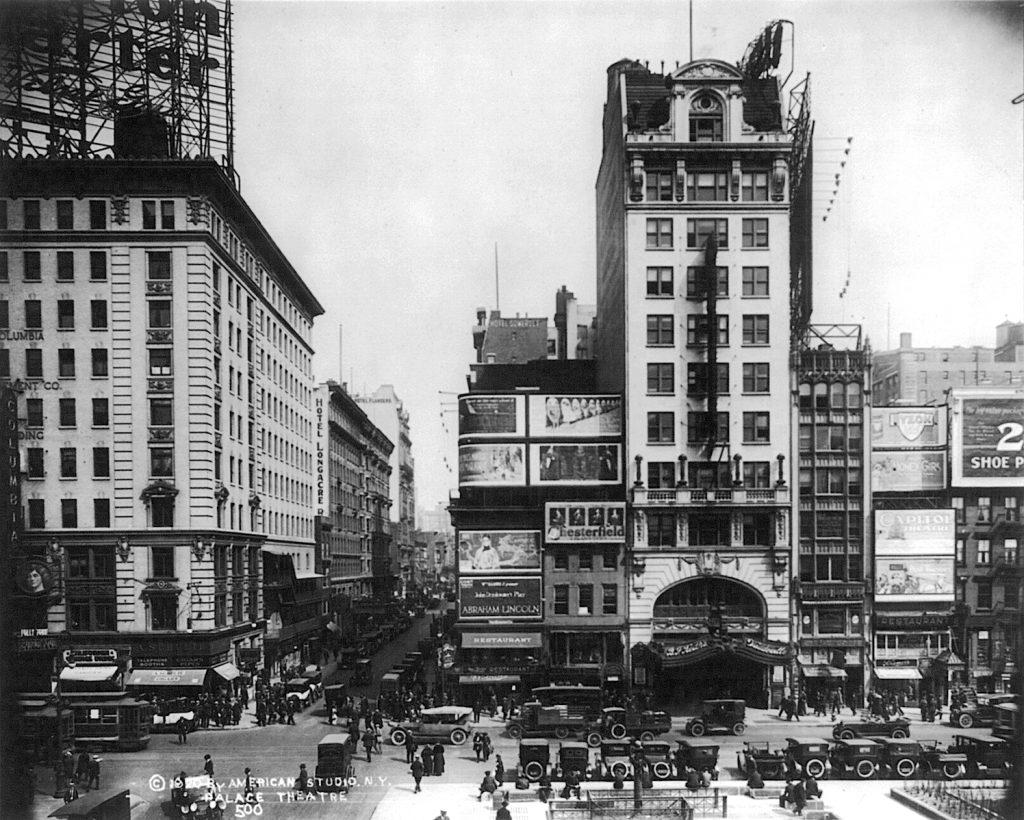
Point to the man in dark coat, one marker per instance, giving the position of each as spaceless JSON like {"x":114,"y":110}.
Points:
{"x":417,"y":773}
{"x":368,"y":743}
{"x":799,"y":797}
{"x":428,"y":759}
{"x":410,"y":748}
{"x":438,"y":760}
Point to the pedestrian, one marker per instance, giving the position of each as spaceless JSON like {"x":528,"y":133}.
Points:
{"x":812,"y":791}
{"x":428,"y":760}
{"x":787,"y":795}
{"x":692,"y":779}
{"x":442,"y":816}
{"x":208,"y":765}
{"x":438,"y":760}
{"x":488,"y":785}
{"x":417,"y":774}
{"x":799,"y":797}
{"x":290,"y":706}
{"x":478,"y":745}
{"x":71,"y":792}
{"x":492,"y":705}
{"x":755,"y":781}
{"x":249,"y":787}
{"x":368,"y":745}
{"x":499,"y":769}
{"x":302,"y":781}
{"x":487,"y":747}
{"x":332,"y":715}
{"x":410,"y":748}
{"x":94,"y":773}
{"x":478,"y":707}
{"x":503,"y":813}
{"x":544,"y":787}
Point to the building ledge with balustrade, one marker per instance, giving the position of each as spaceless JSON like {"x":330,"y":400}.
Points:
{"x":694,"y":496}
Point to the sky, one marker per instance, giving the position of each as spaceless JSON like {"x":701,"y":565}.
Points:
{"x":388,"y":146}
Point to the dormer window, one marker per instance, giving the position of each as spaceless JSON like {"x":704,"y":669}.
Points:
{"x":706,"y":119}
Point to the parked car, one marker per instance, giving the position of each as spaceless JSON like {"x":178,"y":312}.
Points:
{"x":573,"y":756}
{"x":615,"y":759}
{"x":559,"y":720}
{"x":436,"y":725}
{"x":858,"y":758}
{"x":334,"y":763}
{"x":534,"y":758}
{"x":617,"y":723}
{"x":700,"y":756}
{"x":900,"y":757}
{"x":719,"y":714}
{"x":807,"y":756}
{"x":297,"y":689}
{"x":659,"y":755}
{"x":979,"y":711}
{"x":942,"y":760}
{"x":986,"y":756}
{"x":335,"y":694}
{"x":898,"y":728}
{"x":769,"y":762}
{"x":362,"y":671}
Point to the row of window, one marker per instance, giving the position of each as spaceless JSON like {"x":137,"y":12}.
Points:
{"x":161,"y":461}
{"x":161,"y":412}
{"x":586,"y":559}
{"x":983,"y":553}
{"x":831,"y":438}
{"x":661,"y":378}
{"x":983,"y":509}
{"x":584,"y":603}
{"x":155,"y":214}
{"x":1011,"y":594}
{"x":661,"y":233}
{"x":710,"y":185}
{"x":661,"y":281}
{"x":32,"y":314}
{"x":831,"y":481}
{"x":661,"y":329}
{"x":661,"y":427}
{"x":66,"y":368}
{"x":835,"y":396}
{"x":662,"y":475}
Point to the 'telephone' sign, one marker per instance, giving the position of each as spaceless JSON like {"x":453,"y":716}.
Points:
{"x":988,"y":439}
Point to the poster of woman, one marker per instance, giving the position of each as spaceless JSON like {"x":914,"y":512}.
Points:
{"x":499,"y":550}
{"x":33,"y":578}
{"x":574,"y":464}
{"x":575,"y":416}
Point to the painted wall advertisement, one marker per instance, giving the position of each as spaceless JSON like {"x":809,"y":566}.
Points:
{"x":568,"y":416}
{"x":496,"y":464}
{"x":585,"y":523}
{"x":914,"y":554}
{"x":498,"y":550}
{"x":503,"y":598}
{"x":907,"y":471}
{"x":492,"y":416}
{"x":908,"y":427}
{"x":988,"y":439}
{"x":575,"y":464}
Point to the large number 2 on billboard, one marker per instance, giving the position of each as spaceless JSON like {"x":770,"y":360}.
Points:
{"x":1011,"y":430}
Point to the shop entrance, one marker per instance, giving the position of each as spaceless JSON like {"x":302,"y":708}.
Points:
{"x":681,"y":689}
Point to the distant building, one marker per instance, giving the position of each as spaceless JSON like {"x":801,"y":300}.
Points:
{"x":922,"y":375}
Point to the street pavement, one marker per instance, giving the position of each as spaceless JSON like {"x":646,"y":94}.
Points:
{"x":384,"y":787}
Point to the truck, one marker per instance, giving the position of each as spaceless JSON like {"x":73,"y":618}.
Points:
{"x":559,"y":720}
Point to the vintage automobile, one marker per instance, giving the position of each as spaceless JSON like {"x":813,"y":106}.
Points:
{"x":986,"y":756}
{"x":534,"y":758}
{"x":391,"y":682}
{"x":807,"y":756}
{"x":729,"y":715}
{"x":573,"y":757}
{"x":436,"y":725}
{"x":700,"y":756}
{"x":347,"y":656}
{"x":335,"y":694}
{"x":334,"y":763}
{"x":978,"y":711}
{"x":167,"y":713}
{"x":938,"y":760}
{"x":312,"y":674}
{"x":898,"y":728}
{"x":362,"y":671}
{"x":770,"y":762}
{"x":659,"y":756}
{"x":558,"y":720}
{"x":900,"y":757}
{"x":297,"y":689}
{"x":857,"y":758}
{"x":616,"y":760}
{"x":617,"y":723}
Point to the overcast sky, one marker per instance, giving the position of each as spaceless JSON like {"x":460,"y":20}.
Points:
{"x":388,"y":146}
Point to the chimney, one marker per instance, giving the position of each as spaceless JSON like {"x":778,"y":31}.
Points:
{"x":905,"y":341}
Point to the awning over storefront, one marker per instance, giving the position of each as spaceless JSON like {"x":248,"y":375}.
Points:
{"x":822,"y":671}
{"x":307,"y":573}
{"x":277,"y":549}
{"x":768,"y":653}
{"x":949,"y":658}
{"x":88,"y":673}
{"x":478,"y":679}
{"x":333,"y":627}
{"x":897,"y":673}
{"x":227,"y":671}
{"x":501,"y":640}
{"x":167,"y":677}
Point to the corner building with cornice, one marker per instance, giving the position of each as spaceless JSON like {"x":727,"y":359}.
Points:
{"x":703,"y":255}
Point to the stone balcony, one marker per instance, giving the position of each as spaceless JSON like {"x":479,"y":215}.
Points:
{"x":830,"y":591}
{"x":699,"y":497}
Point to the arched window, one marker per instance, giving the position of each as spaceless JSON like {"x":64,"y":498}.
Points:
{"x":706,"y":119}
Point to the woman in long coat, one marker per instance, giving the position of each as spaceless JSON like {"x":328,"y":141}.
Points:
{"x":438,"y":760}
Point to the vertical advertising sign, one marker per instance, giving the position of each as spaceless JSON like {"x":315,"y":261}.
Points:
{"x":988,"y":438}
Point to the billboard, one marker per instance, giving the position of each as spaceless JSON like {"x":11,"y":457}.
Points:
{"x":492,"y":416}
{"x":914,"y":532}
{"x":490,"y":597}
{"x":570,"y":523}
{"x":498,"y":550}
{"x":908,"y":427}
{"x":492,"y":464}
{"x":575,"y":416}
{"x":910,"y":577}
{"x":988,"y":439}
{"x":575,"y":464}
{"x":908,"y":471}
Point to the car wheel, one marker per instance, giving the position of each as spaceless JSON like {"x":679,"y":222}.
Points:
{"x":899,"y":734}
{"x":515,"y":731}
{"x":697,"y":730}
{"x":398,"y":737}
{"x":458,"y":736}
{"x":646,"y":736}
{"x":739,"y":728}
{"x":905,"y":767}
{"x":662,"y":770}
{"x":618,"y":731}
{"x":561,"y":732}
{"x":952,"y":771}
{"x":620,"y":770}
{"x":534,"y":771}
{"x":594,"y":739}
{"x":965,"y":721}
{"x":847,"y":734}
{"x":864,"y":769}
{"x":814,"y":767}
